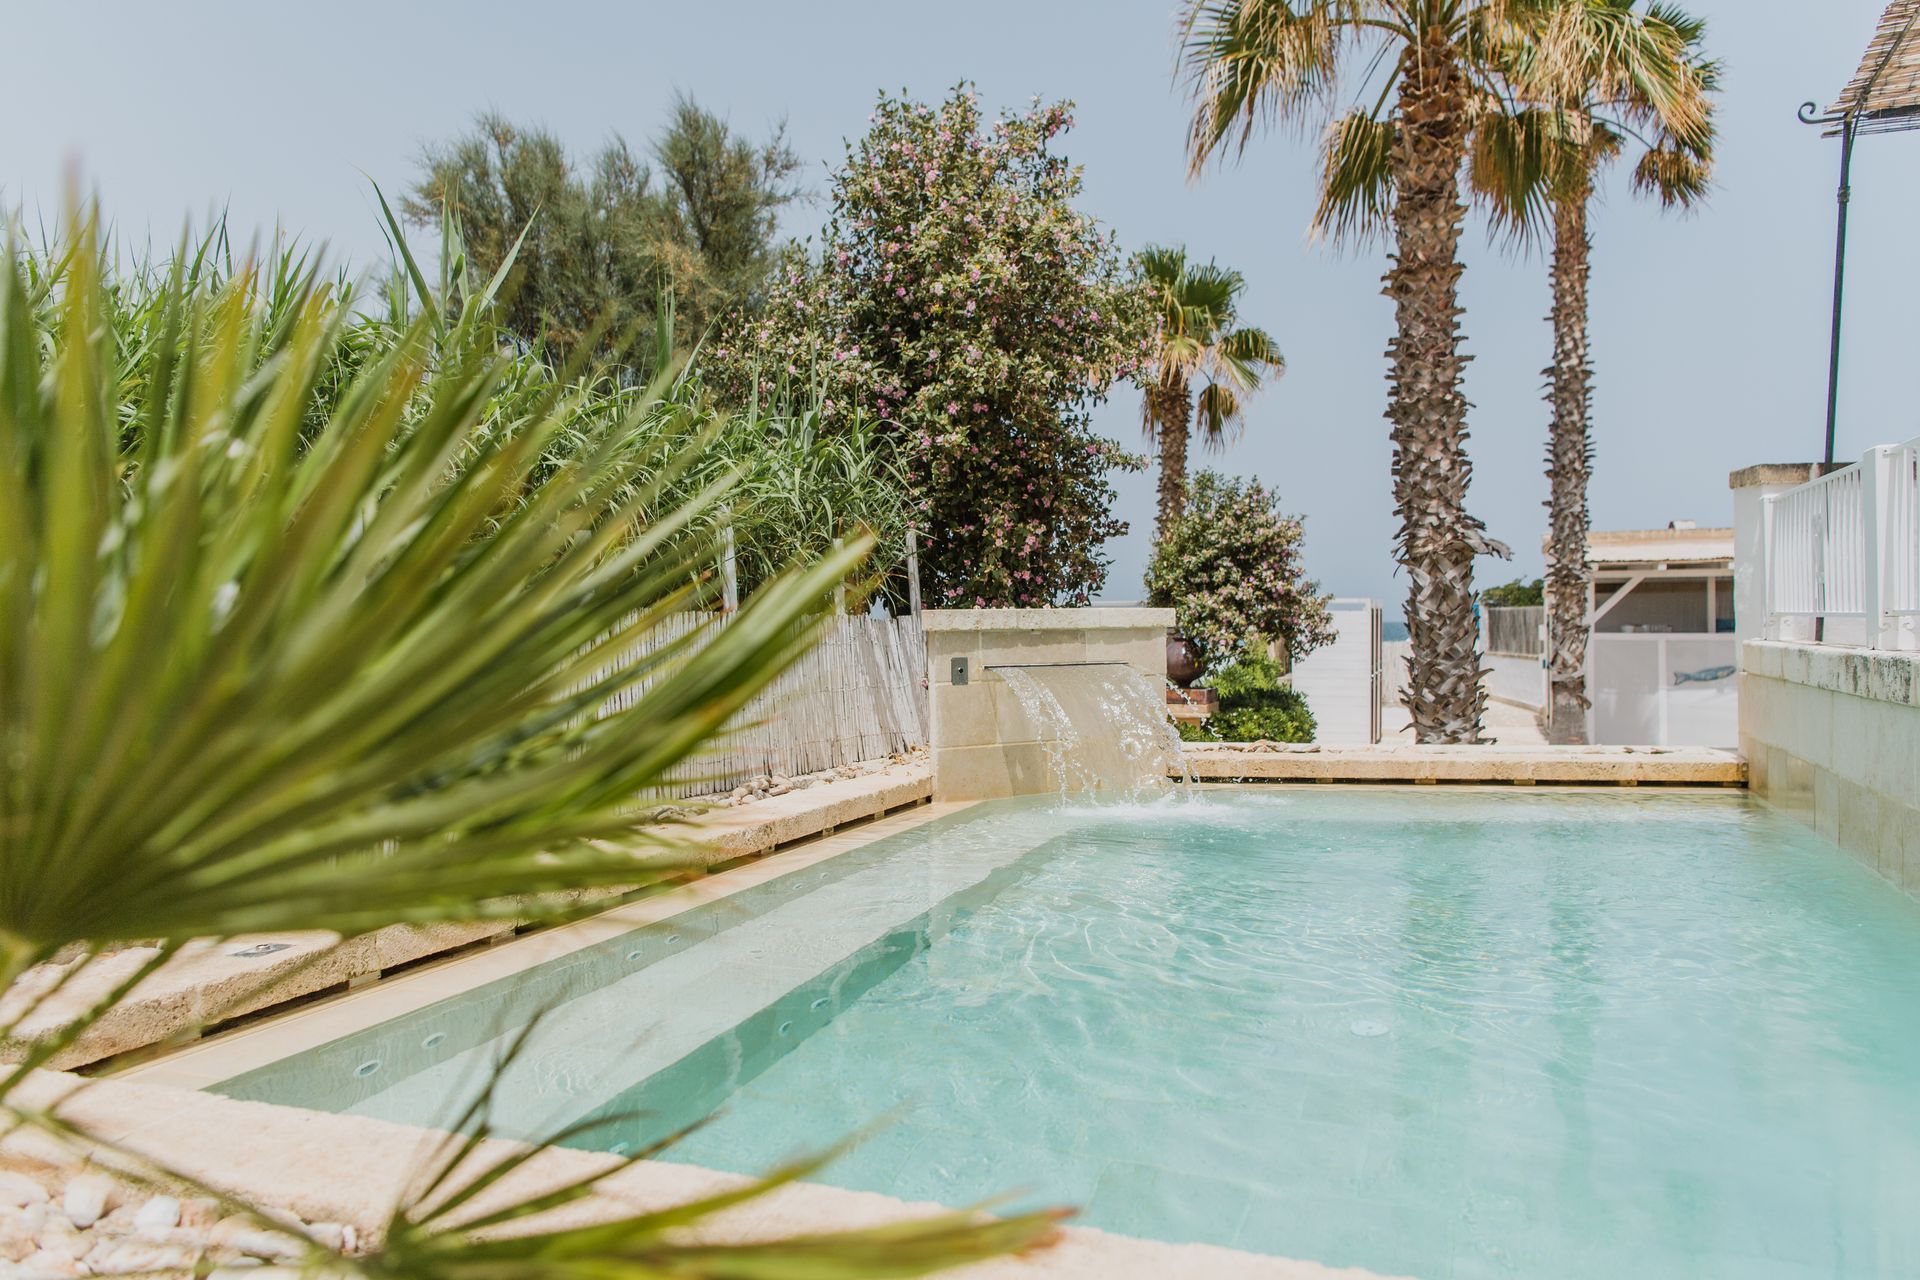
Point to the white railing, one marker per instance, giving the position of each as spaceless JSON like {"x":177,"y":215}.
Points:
{"x":1842,"y":554}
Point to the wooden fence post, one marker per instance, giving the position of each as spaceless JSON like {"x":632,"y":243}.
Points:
{"x":913,"y":573}
{"x":839,"y":588}
{"x":729,"y":572}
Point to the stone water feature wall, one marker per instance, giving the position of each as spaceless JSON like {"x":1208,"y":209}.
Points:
{"x":984,"y":743}
{"x":1832,"y":736}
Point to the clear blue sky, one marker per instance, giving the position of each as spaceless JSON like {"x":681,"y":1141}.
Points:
{"x":1709,"y":333}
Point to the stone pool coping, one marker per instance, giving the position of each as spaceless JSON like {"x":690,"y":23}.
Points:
{"x":207,"y":984}
{"x":1097,"y":618}
{"x":1521,"y":766}
{"x":352,"y":1170}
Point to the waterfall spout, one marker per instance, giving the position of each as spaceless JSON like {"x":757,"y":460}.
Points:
{"x":1104,"y":725}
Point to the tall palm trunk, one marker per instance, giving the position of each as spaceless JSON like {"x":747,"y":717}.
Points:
{"x":1172,"y":410}
{"x":1569,"y":463}
{"x":1438,"y":539}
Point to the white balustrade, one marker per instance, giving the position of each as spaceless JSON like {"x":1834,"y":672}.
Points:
{"x":1844,"y":552}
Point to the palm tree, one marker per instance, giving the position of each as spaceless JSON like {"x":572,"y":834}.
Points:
{"x":1195,"y":336}
{"x":1634,"y":75}
{"x":1398,"y":165}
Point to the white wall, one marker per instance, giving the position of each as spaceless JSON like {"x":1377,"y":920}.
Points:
{"x":1521,"y":681}
{"x":1337,"y":678}
{"x":1663,"y":690}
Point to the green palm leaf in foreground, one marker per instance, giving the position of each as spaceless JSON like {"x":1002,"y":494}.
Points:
{"x":258,"y":676}
{"x":249,"y":682}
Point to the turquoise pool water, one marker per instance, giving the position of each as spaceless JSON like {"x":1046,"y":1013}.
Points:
{"x":1439,"y":1033}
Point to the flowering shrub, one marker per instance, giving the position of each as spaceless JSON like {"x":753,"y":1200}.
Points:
{"x":962,"y":302}
{"x":1230,"y":568}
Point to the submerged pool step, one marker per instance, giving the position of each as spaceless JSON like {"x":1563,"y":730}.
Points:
{"x":590,"y":1053}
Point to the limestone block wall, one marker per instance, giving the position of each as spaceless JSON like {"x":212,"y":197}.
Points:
{"x":1832,"y":735}
{"x":984,"y":743}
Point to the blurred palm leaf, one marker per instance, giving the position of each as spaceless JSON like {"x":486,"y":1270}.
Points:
{"x":254,"y":681}
{"x":259,"y":673}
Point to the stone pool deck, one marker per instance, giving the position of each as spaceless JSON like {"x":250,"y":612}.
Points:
{"x":352,"y":1170}
{"x":1519,"y":766}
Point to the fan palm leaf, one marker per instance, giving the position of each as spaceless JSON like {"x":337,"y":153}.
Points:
{"x":263,"y":674}
{"x":1196,"y":339}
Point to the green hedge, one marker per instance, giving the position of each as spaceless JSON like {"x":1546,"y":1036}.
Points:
{"x":1254,"y":706}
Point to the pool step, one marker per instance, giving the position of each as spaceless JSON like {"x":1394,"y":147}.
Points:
{"x":591,"y":1053}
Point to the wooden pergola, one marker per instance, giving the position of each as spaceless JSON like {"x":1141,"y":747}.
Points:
{"x":1882,"y":97}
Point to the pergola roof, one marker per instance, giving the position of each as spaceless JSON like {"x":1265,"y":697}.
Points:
{"x":1884,"y":93}
{"x":1677,"y":544}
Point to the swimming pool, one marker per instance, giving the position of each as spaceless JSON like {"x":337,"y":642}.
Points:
{"x":1424,"y":1031}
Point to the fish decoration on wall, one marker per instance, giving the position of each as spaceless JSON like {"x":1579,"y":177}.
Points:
{"x":1706,"y":675}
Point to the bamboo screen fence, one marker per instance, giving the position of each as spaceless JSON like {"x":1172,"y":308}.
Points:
{"x":857,"y":695}
{"x":1516,"y":631}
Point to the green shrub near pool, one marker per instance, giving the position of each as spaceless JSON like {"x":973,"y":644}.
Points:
{"x":1255,"y":706}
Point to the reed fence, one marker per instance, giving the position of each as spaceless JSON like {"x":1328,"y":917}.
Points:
{"x":857,"y":695}
{"x":1515,"y":631}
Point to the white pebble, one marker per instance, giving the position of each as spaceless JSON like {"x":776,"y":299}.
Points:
{"x":158,"y":1214}
{"x":265,"y":1244}
{"x":86,"y":1198}
{"x":45,"y":1262}
{"x":17,"y":1191}
{"x":127,"y":1257}
{"x":16,"y":1240}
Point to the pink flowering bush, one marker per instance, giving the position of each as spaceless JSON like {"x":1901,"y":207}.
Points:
{"x":962,"y":302}
{"x":1230,"y":568}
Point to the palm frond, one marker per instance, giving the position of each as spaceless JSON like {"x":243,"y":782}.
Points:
{"x":261,"y":678}
{"x":1253,"y":62}
{"x":1246,"y":356}
{"x":1673,"y":175}
{"x":1218,"y":408}
{"x":1517,"y":161}
{"x":265,"y":673}
{"x":1599,"y":58}
{"x":466,"y":1218}
{"x":1356,"y":177}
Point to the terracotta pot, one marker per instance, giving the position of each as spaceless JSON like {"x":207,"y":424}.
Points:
{"x":1183,"y":660}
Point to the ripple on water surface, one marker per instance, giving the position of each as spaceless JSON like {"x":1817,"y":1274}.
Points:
{"x":1442,"y":1034}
